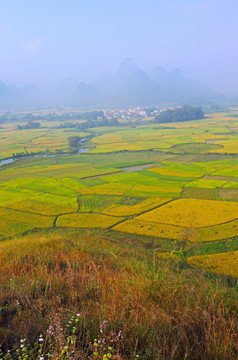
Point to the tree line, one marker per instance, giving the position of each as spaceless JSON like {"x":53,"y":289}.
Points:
{"x":185,"y":113}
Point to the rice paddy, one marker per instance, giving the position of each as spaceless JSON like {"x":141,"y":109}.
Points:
{"x":88,"y":220}
{"x":176,"y":183}
{"x":193,"y":213}
{"x":225,"y":263}
{"x":127,"y":210}
{"x":139,"y":235}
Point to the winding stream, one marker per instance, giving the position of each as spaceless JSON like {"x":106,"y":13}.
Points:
{"x":11,"y":160}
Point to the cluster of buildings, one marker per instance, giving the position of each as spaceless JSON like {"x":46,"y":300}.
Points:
{"x":133,"y":113}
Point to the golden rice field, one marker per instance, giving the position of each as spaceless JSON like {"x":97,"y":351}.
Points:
{"x":228,"y":147}
{"x":210,"y":233}
{"x":154,"y":191}
{"x":13,"y":222}
{"x":96,"y":203}
{"x":217,"y":232}
{"x":186,"y":191}
{"x":225,"y":263}
{"x":152,"y":229}
{"x":192,"y":213}
{"x":180,"y":172}
{"x":154,"y":136}
{"x":47,"y":204}
{"x":127,"y":210}
{"x":207,"y":184}
{"x":106,"y":189}
{"x":87,"y":220}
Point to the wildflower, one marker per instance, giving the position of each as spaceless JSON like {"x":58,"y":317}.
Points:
{"x":41,"y":338}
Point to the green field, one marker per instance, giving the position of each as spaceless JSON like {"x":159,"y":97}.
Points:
{"x":178,"y":182}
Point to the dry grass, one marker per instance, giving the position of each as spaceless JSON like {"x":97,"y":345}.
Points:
{"x":165,"y":309}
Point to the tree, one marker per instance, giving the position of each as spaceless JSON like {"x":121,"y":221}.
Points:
{"x":29,"y":125}
{"x":74,"y":141}
{"x":185,"y":113}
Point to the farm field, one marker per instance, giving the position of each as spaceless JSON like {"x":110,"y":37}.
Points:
{"x":137,"y":236}
{"x":177,"y":182}
{"x":219,"y":263}
{"x":33,"y":140}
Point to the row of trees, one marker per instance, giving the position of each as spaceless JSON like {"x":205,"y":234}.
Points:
{"x":29,"y":125}
{"x":99,"y":123}
{"x":185,"y":113}
{"x":90,"y":124}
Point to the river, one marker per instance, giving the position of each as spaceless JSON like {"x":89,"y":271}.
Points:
{"x":11,"y":160}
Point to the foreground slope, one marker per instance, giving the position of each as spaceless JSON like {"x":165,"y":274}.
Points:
{"x":164,"y":308}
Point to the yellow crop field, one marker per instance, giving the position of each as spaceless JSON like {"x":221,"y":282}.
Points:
{"x":217,"y":232}
{"x":76,"y":171}
{"x":193,"y":213}
{"x":48,"y":185}
{"x":211,"y":233}
{"x":165,"y":171}
{"x":25,"y":217}
{"x":71,"y":183}
{"x":151,"y":229}
{"x":157,"y":191}
{"x":32,"y":140}
{"x":228,"y":147}
{"x":126,"y":210}
{"x":130,"y":146}
{"x":14,"y":222}
{"x":206,"y":184}
{"x":11,"y":227}
{"x":130,"y":140}
{"x":17,"y":182}
{"x":88,"y":220}
{"x":106,"y":189}
{"x":228,"y":171}
{"x":169,"y":200}
{"x":47,"y":204}
{"x":224,"y":263}
{"x":231,"y":185}
{"x":8,"y":196}
{"x":58,"y":167}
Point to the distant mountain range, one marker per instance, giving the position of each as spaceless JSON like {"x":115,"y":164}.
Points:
{"x":129,"y":86}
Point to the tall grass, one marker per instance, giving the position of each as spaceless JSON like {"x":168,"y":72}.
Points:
{"x":163,"y":308}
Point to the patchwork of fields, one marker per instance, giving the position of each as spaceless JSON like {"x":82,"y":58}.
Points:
{"x":174,"y":183}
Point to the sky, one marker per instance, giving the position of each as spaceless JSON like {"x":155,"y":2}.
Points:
{"x":46,"y":40}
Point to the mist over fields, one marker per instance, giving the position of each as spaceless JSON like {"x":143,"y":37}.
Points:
{"x":128,"y":86}
{"x":70,"y":54}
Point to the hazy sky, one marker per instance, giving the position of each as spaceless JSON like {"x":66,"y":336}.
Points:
{"x":45,"y":40}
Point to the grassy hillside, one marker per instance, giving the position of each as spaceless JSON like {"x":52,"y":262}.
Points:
{"x":64,"y":284}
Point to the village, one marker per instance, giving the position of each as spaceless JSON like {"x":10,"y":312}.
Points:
{"x":137,"y":112}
